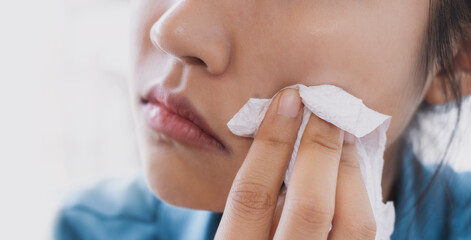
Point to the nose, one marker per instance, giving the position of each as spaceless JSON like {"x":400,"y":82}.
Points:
{"x":192,"y":32}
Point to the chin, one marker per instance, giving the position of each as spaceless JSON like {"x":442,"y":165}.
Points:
{"x":188,"y":181}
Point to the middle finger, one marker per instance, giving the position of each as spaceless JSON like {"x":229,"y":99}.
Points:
{"x":310,"y":199}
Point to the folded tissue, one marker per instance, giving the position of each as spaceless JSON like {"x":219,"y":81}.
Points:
{"x":335,"y":105}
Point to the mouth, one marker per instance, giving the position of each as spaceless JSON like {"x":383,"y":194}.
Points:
{"x":174,"y":116}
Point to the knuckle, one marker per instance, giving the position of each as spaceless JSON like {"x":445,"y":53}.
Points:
{"x":362,"y":230}
{"x":251,"y":200}
{"x":330,"y":143}
{"x":310,"y":213}
{"x":275,"y":141}
{"x":323,"y":134}
{"x":351,"y":163}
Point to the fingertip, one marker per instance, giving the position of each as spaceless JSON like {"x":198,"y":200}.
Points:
{"x":348,"y":138}
{"x":290,"y":103}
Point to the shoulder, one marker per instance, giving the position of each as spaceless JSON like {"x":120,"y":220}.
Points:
{"x":456,"y":193}
{"x":104,"y":210}
{"x":443,"y":212}
{"x":126,"y":209}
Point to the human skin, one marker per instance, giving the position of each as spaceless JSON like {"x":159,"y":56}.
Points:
{"x":252,"y":49}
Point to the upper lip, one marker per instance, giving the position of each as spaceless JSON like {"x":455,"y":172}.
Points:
{"x":180,"y":106}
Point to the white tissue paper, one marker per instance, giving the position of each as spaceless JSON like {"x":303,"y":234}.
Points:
{"x":348,"y":113}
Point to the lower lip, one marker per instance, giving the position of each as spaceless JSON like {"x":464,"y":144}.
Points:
{"x":164,"y":121}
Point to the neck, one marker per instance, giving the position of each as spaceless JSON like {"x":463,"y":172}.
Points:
{"x":392,"y":161}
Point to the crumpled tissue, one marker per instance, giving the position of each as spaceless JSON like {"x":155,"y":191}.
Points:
{"x":335,"y":105}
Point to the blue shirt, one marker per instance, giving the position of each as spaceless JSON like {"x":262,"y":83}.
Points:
{"x":128,"y":210}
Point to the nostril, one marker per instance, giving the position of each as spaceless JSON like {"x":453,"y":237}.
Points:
{"x":193,"y":60}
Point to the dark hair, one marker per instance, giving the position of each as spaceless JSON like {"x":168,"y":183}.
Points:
{"x":448,"y":28}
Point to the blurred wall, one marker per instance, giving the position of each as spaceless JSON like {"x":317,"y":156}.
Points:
{"x":66,"y":120}
{"x":89,"y":122}
{"x":88,"y":130}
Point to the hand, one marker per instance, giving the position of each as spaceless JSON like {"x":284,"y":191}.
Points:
{"x":326,"y":184}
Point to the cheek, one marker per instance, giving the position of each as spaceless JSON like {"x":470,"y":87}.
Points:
{"x":372,"y":56}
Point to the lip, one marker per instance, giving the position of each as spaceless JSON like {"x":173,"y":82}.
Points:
{"x":174,"y":116}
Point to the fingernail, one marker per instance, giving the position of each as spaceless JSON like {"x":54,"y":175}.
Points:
{"x":348,"y":137}
{"x":289,"y":104}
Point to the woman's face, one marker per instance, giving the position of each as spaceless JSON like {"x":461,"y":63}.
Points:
{"x":218,"y":54}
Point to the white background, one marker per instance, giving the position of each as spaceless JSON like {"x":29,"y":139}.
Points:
{"x":65,"y":113}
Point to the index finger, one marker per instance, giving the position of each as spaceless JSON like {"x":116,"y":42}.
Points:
{"x":252,"y":199}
